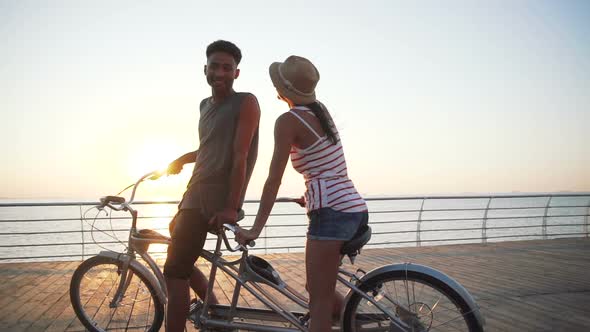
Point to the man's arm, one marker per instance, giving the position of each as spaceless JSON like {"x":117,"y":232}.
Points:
{"x":249,"y":117}
{"x":176,"y":166}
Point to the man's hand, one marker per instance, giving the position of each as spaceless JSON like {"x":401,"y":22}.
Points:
{"x":175,"y":167}
{"x":225,"y":216}
{"x":243,"y":236}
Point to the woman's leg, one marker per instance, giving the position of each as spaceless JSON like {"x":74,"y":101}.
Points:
{"x":322,"y":258}
{"x":338,"y":305}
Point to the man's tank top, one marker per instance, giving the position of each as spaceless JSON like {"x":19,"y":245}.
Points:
{"x":208,"y":187}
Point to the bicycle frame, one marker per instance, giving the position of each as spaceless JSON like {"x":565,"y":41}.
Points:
{"x":244,"y":278}
{"x":240,"y":271}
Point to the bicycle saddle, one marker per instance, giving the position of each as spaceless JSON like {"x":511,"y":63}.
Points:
{"x":352,"y":247}
{"x":150,"y":234}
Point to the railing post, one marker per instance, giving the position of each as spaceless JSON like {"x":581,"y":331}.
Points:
{"x":82,"y":229}
{"x":265,"y":241}
{"x":544,"y":227}
{"x":587,"y":225}
{"x":418,"y":241}
{"x":484,"y":229}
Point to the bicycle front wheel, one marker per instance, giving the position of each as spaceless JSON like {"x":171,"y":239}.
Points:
{"x":93,"y":290}
{"x":421,"y":302}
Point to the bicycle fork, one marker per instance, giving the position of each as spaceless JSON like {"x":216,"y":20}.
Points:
{"x":126,"y":274}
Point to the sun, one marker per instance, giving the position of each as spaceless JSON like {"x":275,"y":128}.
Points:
{"x":155,"y":155}
{"x":151,"y":156}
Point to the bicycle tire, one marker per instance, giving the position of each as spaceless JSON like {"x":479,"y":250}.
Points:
{"x":420,"y":319}
{"x":92,"y":306}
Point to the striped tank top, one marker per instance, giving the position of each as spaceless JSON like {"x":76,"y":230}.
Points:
{"x":324,"y":169}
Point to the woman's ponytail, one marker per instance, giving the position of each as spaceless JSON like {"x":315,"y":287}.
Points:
{"x":320,"y":111}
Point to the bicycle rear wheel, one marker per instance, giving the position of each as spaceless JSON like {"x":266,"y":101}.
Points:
{"x":420,"y":301}
{"x":92,"y":291}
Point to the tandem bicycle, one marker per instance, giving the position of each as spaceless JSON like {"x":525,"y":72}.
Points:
{"x":116,"y":291}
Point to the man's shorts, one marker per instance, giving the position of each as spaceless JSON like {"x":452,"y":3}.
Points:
{"x":329,"y":224}
{"x":188,"y":231}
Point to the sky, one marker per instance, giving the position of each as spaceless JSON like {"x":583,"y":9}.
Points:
{"x":430,"y":97}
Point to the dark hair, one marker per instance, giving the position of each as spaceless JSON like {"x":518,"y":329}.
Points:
{"x":321,"y":111}
{"x":225,"y":47}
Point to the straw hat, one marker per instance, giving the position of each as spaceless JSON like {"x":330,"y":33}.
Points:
{"x":295,"y":79}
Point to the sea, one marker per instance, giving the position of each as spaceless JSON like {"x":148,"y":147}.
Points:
{"x":77,"y":230}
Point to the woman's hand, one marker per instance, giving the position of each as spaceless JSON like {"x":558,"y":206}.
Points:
{"x":243,"y":236}
{"x":300,"y":201}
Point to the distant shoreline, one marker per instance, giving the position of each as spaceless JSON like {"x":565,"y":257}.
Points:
{"x":368,"y":196}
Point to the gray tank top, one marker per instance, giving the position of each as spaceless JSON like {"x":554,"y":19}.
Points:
{"x":208,"y":187}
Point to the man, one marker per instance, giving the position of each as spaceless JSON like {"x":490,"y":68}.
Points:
{"x":228,"y":134}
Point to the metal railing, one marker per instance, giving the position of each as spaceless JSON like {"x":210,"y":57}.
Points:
{"x":62,"y":231}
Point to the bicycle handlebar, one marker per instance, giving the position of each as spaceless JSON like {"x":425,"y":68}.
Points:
{"x":154,"y":175}
{"x":234,"y":229}
{"x":123,"y":205}
{"x":120,"y":201}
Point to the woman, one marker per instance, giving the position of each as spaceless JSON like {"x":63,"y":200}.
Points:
{"x":307,"y":134}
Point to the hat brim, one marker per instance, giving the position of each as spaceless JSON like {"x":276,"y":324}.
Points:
{"x":275,"y":77}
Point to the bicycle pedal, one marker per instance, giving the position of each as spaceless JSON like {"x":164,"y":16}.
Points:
{"x":304,"y":320}
{"x":194,"y":312}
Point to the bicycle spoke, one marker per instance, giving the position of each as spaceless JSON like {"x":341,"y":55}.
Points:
{"x":134,"y":310}
{"x":453,"y":319}
{"x":415,"y":303}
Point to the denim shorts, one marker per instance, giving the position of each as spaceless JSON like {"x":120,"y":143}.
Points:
{"x":329,"y":224}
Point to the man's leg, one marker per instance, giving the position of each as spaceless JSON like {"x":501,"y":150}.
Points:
{"x":188,"y":238}
{"x":199,"y":284}
{"x":178,"y":304}
{"x":198,"y":280}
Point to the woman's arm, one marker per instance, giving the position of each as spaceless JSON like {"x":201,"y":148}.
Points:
{"x":284,"y":137}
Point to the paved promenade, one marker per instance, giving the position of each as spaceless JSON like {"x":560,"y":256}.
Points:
{"x":520,"y":286}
